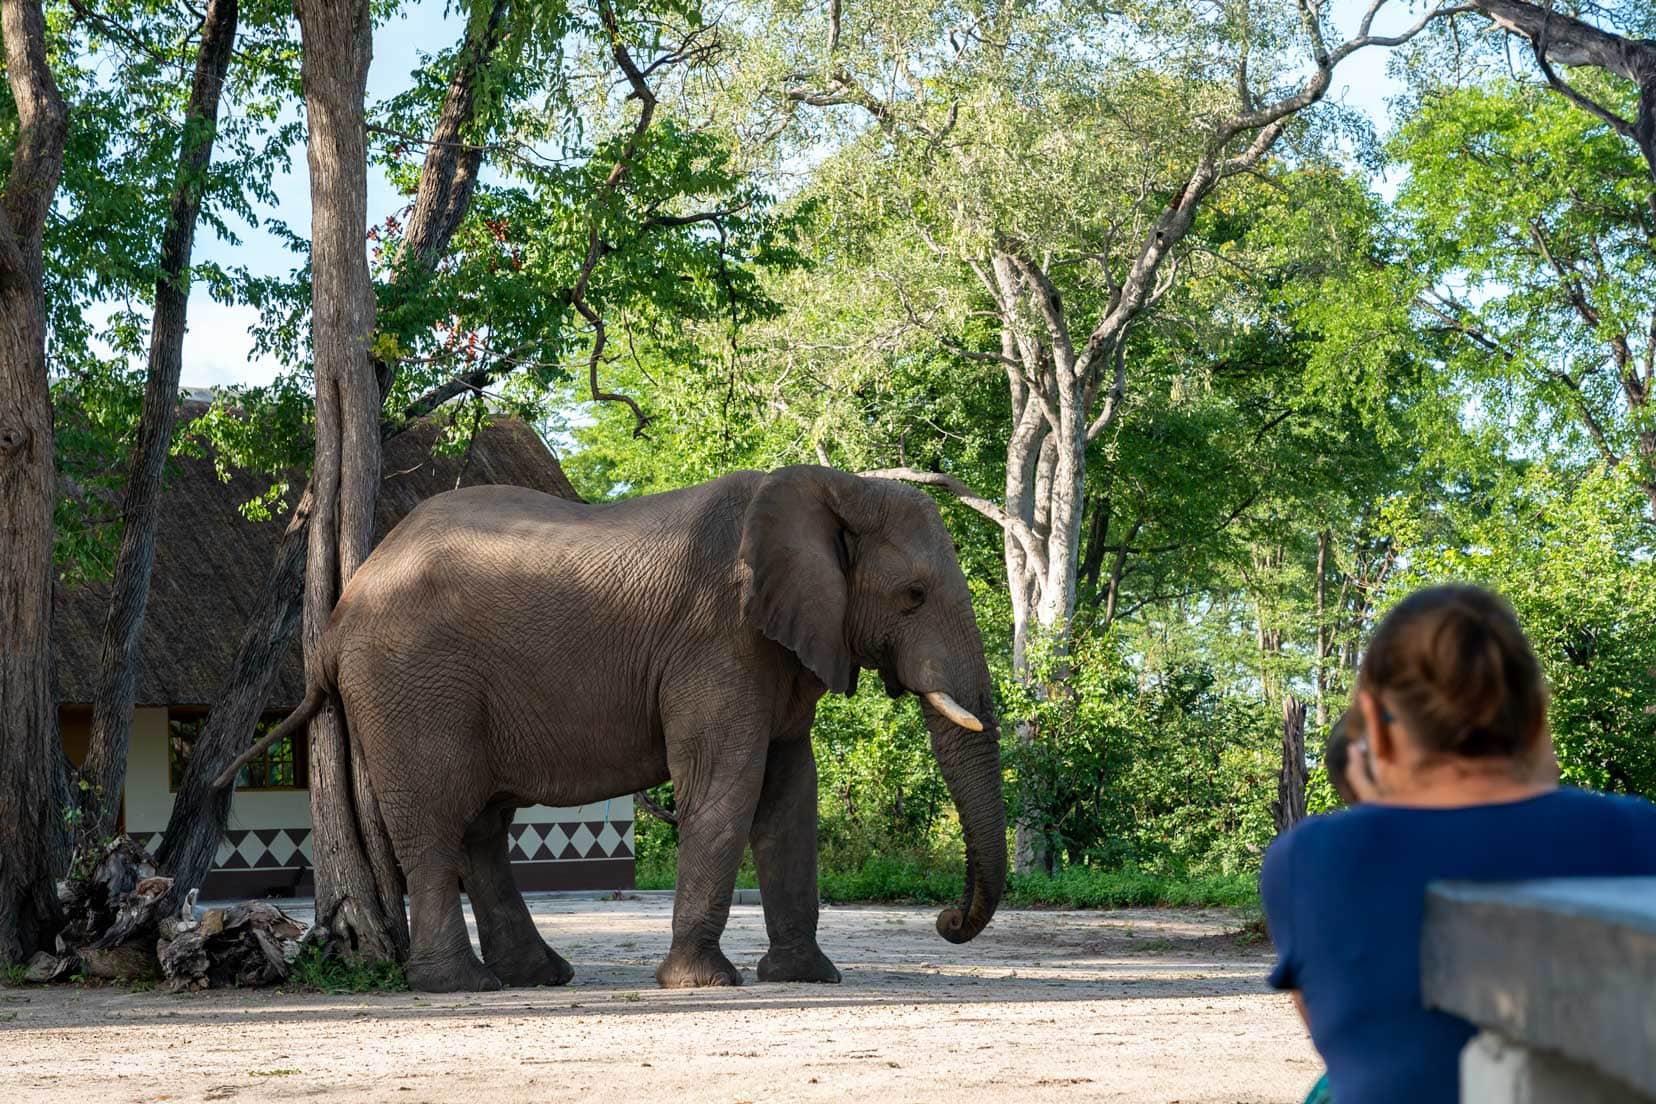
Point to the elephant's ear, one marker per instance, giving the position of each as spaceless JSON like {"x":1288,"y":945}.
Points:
{"x":797,"y":541}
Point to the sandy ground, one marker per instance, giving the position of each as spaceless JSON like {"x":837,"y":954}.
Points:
{"x":1138,"y":1005}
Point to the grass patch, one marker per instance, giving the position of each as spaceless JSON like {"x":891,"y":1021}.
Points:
{"x":892,"y":878}
{"x":910,"y":879}
{"x":664,"y":874}
{"x":1090,"y":888}
{"x":654,"y":875}
{"x":14,"y":975}
{"x":272,"y":1073}
{"x":327,"y":973}
{"x":904,"y":880}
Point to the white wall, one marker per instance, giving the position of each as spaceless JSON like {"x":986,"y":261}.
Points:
{"x":615,"y":809}
{"x":149,"y":803}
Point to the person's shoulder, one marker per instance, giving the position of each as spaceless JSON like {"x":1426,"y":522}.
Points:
{"x":1627,"y":809}
{"x":1320,"y":833}
{"x":1573,"y":798}
{"x":1338,"y":824}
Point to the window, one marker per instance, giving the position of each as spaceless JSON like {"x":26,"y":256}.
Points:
{"x":284,"y":765}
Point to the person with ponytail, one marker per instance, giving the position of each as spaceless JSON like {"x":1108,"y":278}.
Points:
{"x":1452,"y":762}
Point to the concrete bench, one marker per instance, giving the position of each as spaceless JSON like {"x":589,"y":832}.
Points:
{"x":1561,"y":978}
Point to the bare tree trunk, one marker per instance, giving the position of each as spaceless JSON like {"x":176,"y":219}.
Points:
{"x":33,"y":779}
{"x":447,"y":182}
{"x":1290,"y":803}
{"x":199,"y":808}
{"x":104,"y":772}
{"x":1322,"y":630}
{"x":359,"y":896}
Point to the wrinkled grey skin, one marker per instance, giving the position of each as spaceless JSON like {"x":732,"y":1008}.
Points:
{"x":504,"y":648}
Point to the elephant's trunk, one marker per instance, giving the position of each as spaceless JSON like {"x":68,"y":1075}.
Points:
{"x":970,"y":762}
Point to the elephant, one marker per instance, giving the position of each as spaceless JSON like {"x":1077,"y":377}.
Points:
{"x":504,"y":648}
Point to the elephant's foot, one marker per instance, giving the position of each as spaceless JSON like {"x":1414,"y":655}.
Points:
{"x":797,"y":964}
{"x":693,"y":968}
{"x":451,"y":974}
{"x":532,"y":966}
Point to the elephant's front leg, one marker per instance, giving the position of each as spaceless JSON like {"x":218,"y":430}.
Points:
{"x":785,"y":852}
{"x":717,"y":792}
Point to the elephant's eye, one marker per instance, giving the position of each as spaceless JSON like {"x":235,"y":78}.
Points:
{"x":916,"y":596}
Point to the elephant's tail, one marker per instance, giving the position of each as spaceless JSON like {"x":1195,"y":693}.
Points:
{"x":315,"y":698}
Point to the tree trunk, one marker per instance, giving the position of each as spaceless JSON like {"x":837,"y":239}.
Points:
{"x":447,"y":182}
{"x":33,"y":779}
{"x":359,"y":896}
{"x":1289,"y":809}
{"x":104,"y":773}
{"x":199,"y":808}
{"x":1322,"y":630}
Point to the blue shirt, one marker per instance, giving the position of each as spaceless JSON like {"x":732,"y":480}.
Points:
{"x":1344,"y":899}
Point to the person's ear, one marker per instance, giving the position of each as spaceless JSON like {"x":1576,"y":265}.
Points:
{"x":1381,"y":742}
{"x":1541,"y":760}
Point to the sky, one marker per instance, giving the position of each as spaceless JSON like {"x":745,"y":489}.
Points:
{"x":217,"y":347}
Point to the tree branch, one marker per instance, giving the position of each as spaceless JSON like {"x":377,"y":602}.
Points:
{"x":1555,"y":36}
{"x":1569,"y":40}
{"x":641,"y":92}
{"x":42,"y":130}
{"x":1020,"y":531}
{"x":1112,"y":397}
{"x":1051,"y":308}
{"x":1269,"y":122}
{"x":649,"y":805}
{"x":449,"y":175}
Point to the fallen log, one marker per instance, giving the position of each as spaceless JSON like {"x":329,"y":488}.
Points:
{"x":242,"y":946}
{"x":114,"y":930}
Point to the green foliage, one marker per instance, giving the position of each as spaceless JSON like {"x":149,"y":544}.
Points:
{"x":655,"y":843}
{"x":319,"y":970}
{"x":1527,"y":226}
{"x":906,"y":880}
{"x":1334,"y":399}
{"x":1570,"y":548}
{"x":879,"y":789}
{"x":1162,"y":770}
{"x":934,"y":879}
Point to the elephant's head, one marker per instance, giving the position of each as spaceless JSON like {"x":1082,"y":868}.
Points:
{"x":848,"y":573}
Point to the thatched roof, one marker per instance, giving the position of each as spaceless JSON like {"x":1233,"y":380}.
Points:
{"x":211,"y":563}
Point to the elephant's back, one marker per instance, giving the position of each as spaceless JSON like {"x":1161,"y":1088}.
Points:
{"x":514,"y":555}
{"x":496,"y":523}
{"x":539,"y":619}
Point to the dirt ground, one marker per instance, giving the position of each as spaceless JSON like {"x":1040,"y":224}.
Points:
{"x":1138,"y":1005}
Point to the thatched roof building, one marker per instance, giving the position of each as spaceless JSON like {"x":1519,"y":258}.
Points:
{"x":211,"y":563}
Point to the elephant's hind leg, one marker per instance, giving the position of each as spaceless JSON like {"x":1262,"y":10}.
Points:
{"x":512,"y":949}
{"x":716,"y":799}
{"x":442,"y":960}
{"x":784,"y":842}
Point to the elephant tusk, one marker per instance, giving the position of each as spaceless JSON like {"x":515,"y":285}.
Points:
{"x":953,"y":710}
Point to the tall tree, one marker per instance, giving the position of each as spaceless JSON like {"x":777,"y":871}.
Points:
{"x":1560,"y":38}
{"x":104,"y":771}
{"x":1525,"y":268}
{"x":443,"y":194}
{"x":1023,"y":104}
{"x":359,"y":894}
{"x":32,"y":790}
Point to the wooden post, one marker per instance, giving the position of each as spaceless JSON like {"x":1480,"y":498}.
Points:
{"x":1290,"y":803}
